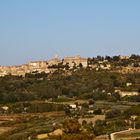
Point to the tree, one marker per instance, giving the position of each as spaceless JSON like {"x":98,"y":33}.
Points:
{"x":80,"y":65}
{"x":71,"y":126}
{"x":91,"y":102}
{"x":108,"y":58}
{"x":98,"y":111}
{"x":134,"y":110}
{"x":72,"y":130}
{"x":84,"y":122}
{"x":116,"y":58}
{"x":113,"y":113}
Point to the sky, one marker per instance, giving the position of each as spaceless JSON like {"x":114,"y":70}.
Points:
{"x":33,"y":30}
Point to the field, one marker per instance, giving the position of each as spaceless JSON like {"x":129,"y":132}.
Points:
{"x":92,"y":119}
{"x":41,"y":124}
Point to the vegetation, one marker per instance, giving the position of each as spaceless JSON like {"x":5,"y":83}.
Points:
{"x":72,"y":130}
{"x":83,"y":83}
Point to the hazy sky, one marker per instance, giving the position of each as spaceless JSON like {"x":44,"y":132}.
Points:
{"x":39,"y":29}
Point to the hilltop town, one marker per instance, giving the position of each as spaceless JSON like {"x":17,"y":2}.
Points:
{"x":49,"y":99}
{"x":43,"y":66}
{"x":121,"y":64}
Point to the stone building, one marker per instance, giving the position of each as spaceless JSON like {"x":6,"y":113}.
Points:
{"x":75,"y":61}
{"x":54,"y":61}
{"x":37,"y":66}
{"x":124,"y":57}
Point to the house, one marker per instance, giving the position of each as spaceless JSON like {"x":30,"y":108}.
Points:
{"x":91,"y":106}
{"x":90,"y":111}
{"x":4,"y":70}
{"x":128,"y":93}
{"x":105,"y":66}
{"x":128,"y":84}
{"x":73,"y":106}
{"x":5,"y":108}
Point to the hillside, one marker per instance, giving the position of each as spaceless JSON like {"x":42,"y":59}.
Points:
{"x":81,"y":84}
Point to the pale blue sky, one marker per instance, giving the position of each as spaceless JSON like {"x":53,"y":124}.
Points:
{"x":39,"y":29}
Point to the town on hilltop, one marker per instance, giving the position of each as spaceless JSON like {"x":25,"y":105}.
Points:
{"x":74,"y":98}
{"x":122,"y":64}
